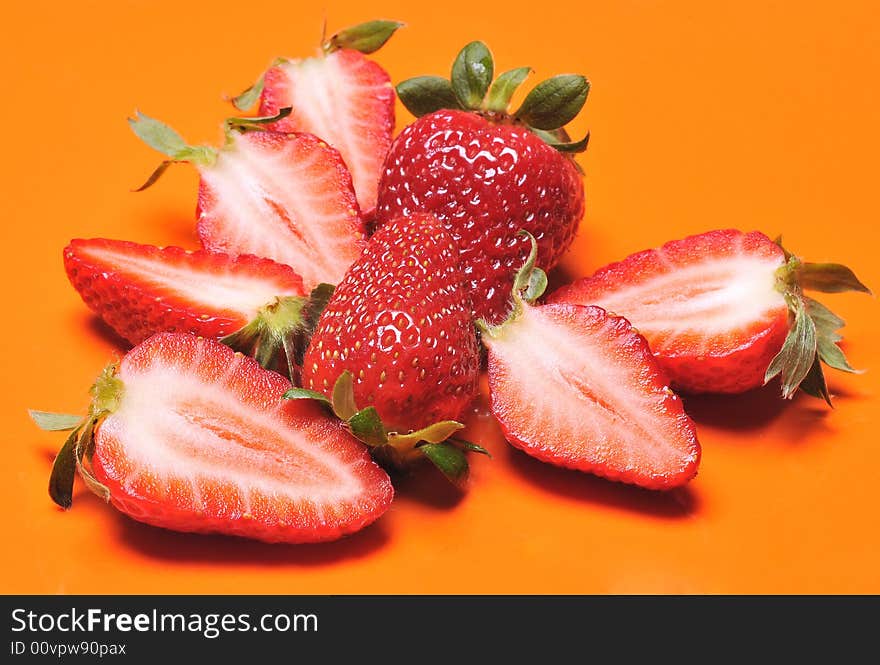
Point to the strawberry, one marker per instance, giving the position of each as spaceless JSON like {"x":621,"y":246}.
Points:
{"x":339,"y":95}
{"x":487,"y":173}
{"x":725,"y":311}
{"x":140,"y":290}
{"x":286,"y":197}
{"x":578,"y":387}
{"x":397,"y":338}
{"x":187,"y":435}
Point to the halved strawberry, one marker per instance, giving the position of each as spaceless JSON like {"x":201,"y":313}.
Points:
{"x":339,"y":95}
{"x":187,"y":435}
{"x":578,"y":387}
{"x":140,"y":290}
{"x":286,"y":197}
{"x":725,"y":312}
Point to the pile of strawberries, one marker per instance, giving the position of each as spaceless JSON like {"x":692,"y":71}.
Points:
{"x":262,"y":401}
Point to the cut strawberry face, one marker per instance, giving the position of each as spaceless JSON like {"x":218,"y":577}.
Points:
{"x":340,"y":96}
{"x":579,"y":388}
{"x":345,"y":99}
{"x":140,"y":290}
{"x":286,"y":197}
{"x":718,"y":308}
{"x":189,"y":436}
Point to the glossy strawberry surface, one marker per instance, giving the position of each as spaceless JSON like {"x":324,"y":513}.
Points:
{"x":485,"y":182}
{"x":400,"y":322}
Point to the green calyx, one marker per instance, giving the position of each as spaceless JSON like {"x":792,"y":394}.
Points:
{"x":284,"y":325}
{"x":812,"y":338}
{"x":396,"y":449}
{"x":79,"y":447}
{"x":366,"y":37}
{"x":529,"y":284}
{"x":548,"y":107}
{"x":163,"y":138}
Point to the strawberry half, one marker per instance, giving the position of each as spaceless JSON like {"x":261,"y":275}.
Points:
{"x":286,"y":197}
{"x":725,"y":311}
{"x":339,"y":95}
{"x":139,"y":290}
{"x":397,"y":339}
{"x":579,"y":388}
{"x":486,"y":172}
{"x":187,"y":435}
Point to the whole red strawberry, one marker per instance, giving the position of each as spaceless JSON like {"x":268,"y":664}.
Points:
{"x":485,"y":173}
{"x":397,"y":339}
{"x":725,"y":311}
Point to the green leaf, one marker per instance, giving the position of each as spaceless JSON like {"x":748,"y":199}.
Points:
{"x":318,"y":299}
{"x":342,"y":401}
{"x":434,"y":433}
{"x":472,"y":73}
{"x":554,"y":102}
{"x":304,"y":393}
{"x":247,"y":98}
{"x":156,"y":174}
{"x":829,"y":278}
{"x":425,"y":94}
{"x":158,"y":135}
{"x":468,"y":446}
{"x":366,"y":37}
{"x":55,"y":422}
{"x":524,"y":275}
{"x":573,"y":146}
{"x":367,"y":426}
{"x":814,"y":383}
{"x":161,"y":137}
{"x":503,"y":88}
{"x":833,"y":356}
{"x":798,"y":352}
{"x":826,"y":321}
{"x":257,"y":122}
{"x":63,"y":471}
{"x":85,"y":449}
{"x":450,"y":460}
{"x":536,"y":286}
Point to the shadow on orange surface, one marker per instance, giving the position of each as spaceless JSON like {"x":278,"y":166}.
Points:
{"x":674,"y":504}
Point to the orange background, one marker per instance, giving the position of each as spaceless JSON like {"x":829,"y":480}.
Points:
{"x":703,"y":115}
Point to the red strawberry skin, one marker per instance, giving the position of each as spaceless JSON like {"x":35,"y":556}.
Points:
{"x":286,"y":197}
{"x":485,"y":182}
{"x":344,"y":98}
{"x":707,"y":305}
{"x":202,"y":442}
{"x":400,"y":322}
{"x":578,"y":388}
{"x":140,"y":289}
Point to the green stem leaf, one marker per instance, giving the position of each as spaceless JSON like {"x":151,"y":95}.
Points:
{"x":504,"y":87}
{"x":367,"y":426}
{"x":305,"y":393}
{"x":425,"y":94}
{"x":472,"y":73}
{"x":55,"y":422}
{"x":829,"y":278}
{"x":63,"y":471}
{"x":555,"y":102}
{"x":246,"y":99}
{"x":343,"y":402}
{"x":258,"y":122}
{"x":366,"y":37}
{"x":451,"y":461}
{"x":794,"y":360}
